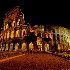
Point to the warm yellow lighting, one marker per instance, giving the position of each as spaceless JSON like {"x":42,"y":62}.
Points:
{"x":39,"y":39}
{"x":39,"y":46}
{"x":18,"y":19}
{"x":18,"y":22}
{"x":12,"y":34}
{"x":16,"y":46}
{"x":6,"y":26}
{"x":59,"y":47}
{"x":23,"y":16}
{"x":23,"y":47}
{"x":5,"y":36}
{"x":46,"y":35}
{"x":8,"y":34}
{"x":31,"y":30}
{"x":11,"y":46}
{"x":17,"y":33}
{"x":23,"y":31}
{"x":35,"y":33}
{"x":65,"y":38}
{"x":6,"y":47}
{"x":50,"y":36}
{"x":2,"y":37}
{"x":69,"y":49}
{"x":31,"y":46}
{"x":13,"y":23}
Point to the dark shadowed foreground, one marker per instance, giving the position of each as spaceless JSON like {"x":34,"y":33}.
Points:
{"x":36,"y":61}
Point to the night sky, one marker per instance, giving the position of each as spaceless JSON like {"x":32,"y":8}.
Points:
{"x":38,"y":12}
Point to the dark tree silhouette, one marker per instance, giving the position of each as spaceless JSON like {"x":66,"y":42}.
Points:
{"x":47,"y":39}
{"x":31,"y":37}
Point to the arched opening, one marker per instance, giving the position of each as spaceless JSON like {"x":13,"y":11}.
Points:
{"x":23,"y":32}
{"x":13,"y":23}
{"x":46,"y":47}
{"x":12,"y":34}
{"x":11,"y":47}
{"x":39,"y":47}
{"x":1,"y":47}
{"x":16,"y":46}
{"x":31,"y":46}
{"x":53,"y":30}
{"x":6,"y":49}
{"x":39,"y":35}
{"x":8,"y":34}
{"x":17,"y":33}
{"x":39,"y":43}
{"x":24,"y":47}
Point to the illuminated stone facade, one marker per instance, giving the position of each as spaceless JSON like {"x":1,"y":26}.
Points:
{"x":16,"y":31}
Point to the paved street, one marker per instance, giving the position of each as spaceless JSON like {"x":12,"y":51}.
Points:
{"x":36,"y":61}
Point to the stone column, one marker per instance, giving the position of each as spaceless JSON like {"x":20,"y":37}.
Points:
{"x":19,"y":48}
{"x":8,"y":46}
{"x":35,"y":45}
{"x":27,"y":46}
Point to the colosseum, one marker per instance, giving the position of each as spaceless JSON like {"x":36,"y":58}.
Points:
{"x":18,"y":35}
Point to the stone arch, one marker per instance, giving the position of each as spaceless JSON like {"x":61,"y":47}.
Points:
{"x":16,"y":46}
{"x":11,"y":47}
{"x":23,"y":32}
{"x":6,"y":48}
{"x":17,"y":33}
{"x":31,"y":45}
{"x":46,"y":46}
{"x":24,"y":47}
{"x":39,"y":34}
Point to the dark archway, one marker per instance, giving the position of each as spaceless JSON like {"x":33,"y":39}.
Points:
{"x":39,"y":35}
{"x":31,"y":38}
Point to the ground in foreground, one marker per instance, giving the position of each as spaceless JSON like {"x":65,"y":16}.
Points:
{"x":36,"y":61}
